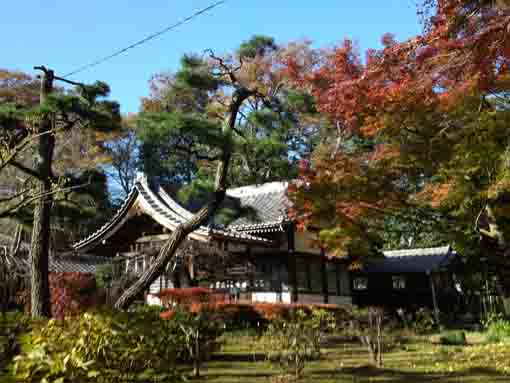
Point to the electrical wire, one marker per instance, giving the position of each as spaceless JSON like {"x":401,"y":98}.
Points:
{"x":146,"y":39}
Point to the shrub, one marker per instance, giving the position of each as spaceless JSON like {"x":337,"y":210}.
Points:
{"x":11,"y":326}
{"x":290,"y":343}
{"x":100,"y":344}
{"x":71,"y":294}
{"x":258,"y":315}
{"x":198,"y":330}
{"x":368,"y":325}
{"x":188,"y":296}
{"x":104,"y":276}
{"x":421,"y":321}
{"x":453,"y":338}
{"x":498,"y":330}
{"x":492,"y":318}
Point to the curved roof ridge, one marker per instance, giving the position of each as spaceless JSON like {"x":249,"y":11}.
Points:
{"x":426,"y":251}
{"x":173,"y":204}
{"x":158,"y":206}
{"x":118,"y":216}
{"x":202,"y":230}
{"x":165,"y":210}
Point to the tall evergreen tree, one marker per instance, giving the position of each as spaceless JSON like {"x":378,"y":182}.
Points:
{"x":43,"y":124}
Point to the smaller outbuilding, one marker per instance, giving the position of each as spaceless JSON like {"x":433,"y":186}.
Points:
{"x":408,"y":278}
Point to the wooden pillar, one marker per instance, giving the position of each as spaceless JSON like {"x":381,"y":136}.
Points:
{"x":291,"y":263}
{"x":337,"y":279}
{"x":324,"y":276}
{"x":250,"y":271}
{"x":308,"y":272}
{"x":434,"y":298}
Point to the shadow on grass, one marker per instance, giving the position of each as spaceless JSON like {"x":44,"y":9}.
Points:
{"x":366,"y":373}
{"x":238,"y":357}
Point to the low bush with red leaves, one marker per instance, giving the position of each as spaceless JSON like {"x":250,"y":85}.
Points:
{"x":238,"y":315}
{"x":71,"y":294}
{"x":243,"y":315}
{"x":188,"y":296}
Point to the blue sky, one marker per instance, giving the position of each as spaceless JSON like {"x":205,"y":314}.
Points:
{"x":66,"y":34}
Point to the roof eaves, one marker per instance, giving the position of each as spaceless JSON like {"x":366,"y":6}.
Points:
{"x":111,"y":223}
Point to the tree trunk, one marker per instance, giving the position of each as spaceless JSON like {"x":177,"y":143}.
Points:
{"x":198,"y":356}
{"x":500,"y":258}
{"x":167,"y":252}
{"x":40,"y":291}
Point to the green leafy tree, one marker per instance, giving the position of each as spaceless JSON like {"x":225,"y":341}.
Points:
{"x":206,"y":113}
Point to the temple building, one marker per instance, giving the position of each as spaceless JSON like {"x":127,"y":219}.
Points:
{"x":258,"y":250}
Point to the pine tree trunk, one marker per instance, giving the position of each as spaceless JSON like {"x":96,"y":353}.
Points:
{"x":40,"y":291}
{"x":167,"y":252}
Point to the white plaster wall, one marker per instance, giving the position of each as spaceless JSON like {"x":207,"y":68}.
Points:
{"x":266,"y":297}
{"x":271,"y":297}
{"x":153,"y":300}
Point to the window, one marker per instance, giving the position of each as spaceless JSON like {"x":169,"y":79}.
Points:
{"x":399,"y":282}
{"x":360,"y":283}
{"x":139,"y":265}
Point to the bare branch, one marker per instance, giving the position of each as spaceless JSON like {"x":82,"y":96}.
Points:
{"x":14,"y":196}
{"x":69,"y":81}
{"x":227,"y":71}
{"x":25,"y":202}
{"x":27,"y":170}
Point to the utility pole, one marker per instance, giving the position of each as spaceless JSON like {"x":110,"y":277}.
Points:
{"x":40,"y":290}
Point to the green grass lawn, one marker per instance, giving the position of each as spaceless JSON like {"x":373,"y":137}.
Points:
{"x":417,"y":361}
{"x":410,"y":360}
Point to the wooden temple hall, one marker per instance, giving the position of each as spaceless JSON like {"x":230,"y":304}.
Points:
{"x":258,"y":251}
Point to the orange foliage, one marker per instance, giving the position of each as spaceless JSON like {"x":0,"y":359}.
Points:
{"x":435,"y":194}
{"x":189,"y":296}
{"x":398,"y":96}
{"x":70,"y":293}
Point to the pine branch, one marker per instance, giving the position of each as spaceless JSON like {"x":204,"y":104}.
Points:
{"x":9,"y":212}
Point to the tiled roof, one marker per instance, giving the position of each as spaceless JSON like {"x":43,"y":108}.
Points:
{"x":167,"y":212}
{"x":268,"y":202}
{"x":177,"y":215}
{"x":412,"y":260}
{"x":256,"y":208}
{"x":103,"y":230}
{"x":64,"y":263}
{"x":440,"y":251}
{"x":77,"y":264}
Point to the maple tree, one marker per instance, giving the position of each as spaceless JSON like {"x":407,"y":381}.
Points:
{"x":422,"y":133}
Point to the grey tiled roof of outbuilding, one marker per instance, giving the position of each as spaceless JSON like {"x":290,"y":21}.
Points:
{"x":412,"y":260}
{"x":64,"y":263}
{"x":77,"y":264}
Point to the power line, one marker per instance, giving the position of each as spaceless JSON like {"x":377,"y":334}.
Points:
{"x":146,"y":39}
